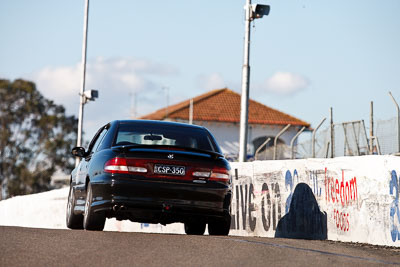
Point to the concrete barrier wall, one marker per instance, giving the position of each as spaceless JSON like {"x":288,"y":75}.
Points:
{"x":350,"y":199}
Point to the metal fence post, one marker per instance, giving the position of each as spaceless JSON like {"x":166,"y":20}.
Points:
{"x":313,"y":138}
{"x":294,"y":138}
{"x":356,"y":139}
{"x":371,"y":128}
{"x":260,"y":147}
{"x":277,"y":136}
{"x":398,"y":121}
{"x":332,"y":142}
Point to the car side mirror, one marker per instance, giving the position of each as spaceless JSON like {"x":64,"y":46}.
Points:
{"x":78,"y":152}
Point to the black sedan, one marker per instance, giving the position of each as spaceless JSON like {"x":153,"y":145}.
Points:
{"x":151,"y":172}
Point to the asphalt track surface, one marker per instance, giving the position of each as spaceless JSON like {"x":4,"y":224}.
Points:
{"x":47,"y":247}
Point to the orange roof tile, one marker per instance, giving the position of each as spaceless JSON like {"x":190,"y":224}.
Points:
{"x":223,"y":105}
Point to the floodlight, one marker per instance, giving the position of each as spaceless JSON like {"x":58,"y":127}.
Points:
{"x":91,"y":94}
{"x":258,"y":11}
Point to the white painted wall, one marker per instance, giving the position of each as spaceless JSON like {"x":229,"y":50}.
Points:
{"x":262,"y":196}
{"x":48,"y":210}
{"x":365,"y":209}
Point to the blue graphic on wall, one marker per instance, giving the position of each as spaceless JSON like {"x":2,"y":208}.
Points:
{"x":394,"y":207}
{"x":289,"y":182}
{"x":314,"y":181}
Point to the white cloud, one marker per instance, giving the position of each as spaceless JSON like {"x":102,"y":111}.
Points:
{"x":131,"y":65}
{"x":122,"y":75}
{"x":115,"y":79}
{"x":60,"y":84}
{"x":211,"y":81}
{"x":285,"y":83}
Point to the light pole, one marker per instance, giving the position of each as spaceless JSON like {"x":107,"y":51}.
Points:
{"x":166,"y":89}
{"x":84,"y":96}
{"x":254,"y":11}
{"x":81,"y":93}
{"x":133,"y":105}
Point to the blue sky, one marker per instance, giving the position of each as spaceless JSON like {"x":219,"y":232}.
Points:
{"x":306,"y":56}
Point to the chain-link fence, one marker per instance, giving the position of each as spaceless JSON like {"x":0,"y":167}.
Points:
{"x":283,"y":151}
{"x":351,"y":139}
{"x":386,"y":131}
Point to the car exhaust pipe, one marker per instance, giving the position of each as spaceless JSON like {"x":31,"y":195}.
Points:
{"x":166,"y":207}
{"x":116,"y":208}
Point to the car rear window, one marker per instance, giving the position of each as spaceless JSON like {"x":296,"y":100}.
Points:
{"x":164,"y":134}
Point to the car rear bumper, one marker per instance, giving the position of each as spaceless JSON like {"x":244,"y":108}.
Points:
{"x":159,"y":201}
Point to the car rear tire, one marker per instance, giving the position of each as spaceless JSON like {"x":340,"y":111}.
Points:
{"x":219,"y":227}
{"x":91,"y":220}
{"x":195,"y":228}
{"x":74,"y":221}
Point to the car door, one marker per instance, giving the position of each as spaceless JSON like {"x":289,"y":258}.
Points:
{"x":93,"y":146}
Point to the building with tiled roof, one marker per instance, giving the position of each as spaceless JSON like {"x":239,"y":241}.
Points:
{"x":219,"y":111}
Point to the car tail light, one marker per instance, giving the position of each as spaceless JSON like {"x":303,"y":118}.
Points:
{"x":119,"y":165}
{"x":116,"y":165}
{"x":219,"y":174}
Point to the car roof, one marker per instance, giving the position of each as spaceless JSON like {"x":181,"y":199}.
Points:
{"x":159,"y":123}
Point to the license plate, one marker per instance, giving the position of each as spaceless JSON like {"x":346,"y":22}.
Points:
{"x":169,"y":169}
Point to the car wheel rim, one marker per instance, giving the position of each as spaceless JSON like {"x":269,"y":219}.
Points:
{"x":86,"y":208}
{"x":69,"y":206}
{"x":87,"y":205}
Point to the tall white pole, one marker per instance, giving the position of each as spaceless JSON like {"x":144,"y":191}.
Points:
{"x":244,"y":107}
{"x":166,"y":88}
{"x":81,"y":95}
{"x":191,"y":111}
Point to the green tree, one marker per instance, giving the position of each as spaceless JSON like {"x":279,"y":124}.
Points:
{"x":36,"y":138}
